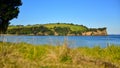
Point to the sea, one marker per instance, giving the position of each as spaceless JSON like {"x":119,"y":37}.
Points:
{"x":71,"y":41}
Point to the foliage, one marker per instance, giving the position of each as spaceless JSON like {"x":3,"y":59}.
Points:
{"x":8,"y":10}
{"x":94,"y":29}
{"x":32,"y":30}
{"x":62,"y":30}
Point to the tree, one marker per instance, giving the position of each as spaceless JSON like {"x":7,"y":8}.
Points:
{"x":62,"y":30}
{"x":9,"y":9}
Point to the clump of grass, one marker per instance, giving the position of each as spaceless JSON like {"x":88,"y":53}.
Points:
{"x":108,"y":54}
{"x":23,"y":55}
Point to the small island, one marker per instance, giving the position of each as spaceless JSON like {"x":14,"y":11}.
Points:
{"x":56,"y":29}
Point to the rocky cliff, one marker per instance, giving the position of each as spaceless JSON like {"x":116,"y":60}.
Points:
{"x":97,"y":32}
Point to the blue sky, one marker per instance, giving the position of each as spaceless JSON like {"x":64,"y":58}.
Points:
{"x":91,"y":13}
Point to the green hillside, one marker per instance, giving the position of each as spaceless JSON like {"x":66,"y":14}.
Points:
{"x":71,"y":26}
{"x":58,"y":29}
{"x":50,"y":26}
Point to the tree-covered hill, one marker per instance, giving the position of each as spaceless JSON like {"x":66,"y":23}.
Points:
{"x":50,"y":29}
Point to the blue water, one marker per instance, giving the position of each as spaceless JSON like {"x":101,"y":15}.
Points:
{"x":72,"y":41}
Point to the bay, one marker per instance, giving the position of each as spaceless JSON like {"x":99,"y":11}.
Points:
{"x":71,"y":41}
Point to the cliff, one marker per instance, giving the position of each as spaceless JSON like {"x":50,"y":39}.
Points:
{"x":96,"y":32}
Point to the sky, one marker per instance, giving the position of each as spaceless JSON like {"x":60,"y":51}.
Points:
{"x":90,"y":13}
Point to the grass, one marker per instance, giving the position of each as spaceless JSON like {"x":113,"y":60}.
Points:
{"x":23,"y":55}
{"x":72,"y":27}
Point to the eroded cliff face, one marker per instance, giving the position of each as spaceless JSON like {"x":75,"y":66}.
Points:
{"x":95,"y":33}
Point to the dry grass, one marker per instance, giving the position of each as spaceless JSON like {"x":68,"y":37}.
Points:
{"x":22,"y":55}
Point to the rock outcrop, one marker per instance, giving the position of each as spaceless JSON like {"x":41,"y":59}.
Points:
{"x":95,"y":32}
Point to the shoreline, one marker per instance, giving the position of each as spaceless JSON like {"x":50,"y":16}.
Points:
{"x":53,"y":35}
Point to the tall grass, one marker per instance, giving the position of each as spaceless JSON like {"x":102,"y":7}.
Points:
{"x":23,"y":55}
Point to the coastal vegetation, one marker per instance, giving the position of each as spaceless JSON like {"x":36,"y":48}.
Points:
{"x":23,"y":55}
{"x":59,"y":29}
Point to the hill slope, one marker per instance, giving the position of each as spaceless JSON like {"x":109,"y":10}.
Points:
{"x":71,"y":26}
{"x":55,"y":29}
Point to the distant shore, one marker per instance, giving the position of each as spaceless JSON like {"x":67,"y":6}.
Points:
{"x":56,"y":29}
{"x":51,"y":35}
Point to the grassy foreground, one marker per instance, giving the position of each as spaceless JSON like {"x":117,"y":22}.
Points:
{"x":23,"y":55}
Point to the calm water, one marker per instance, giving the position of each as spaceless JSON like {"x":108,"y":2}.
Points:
{"x":73,"y":41}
